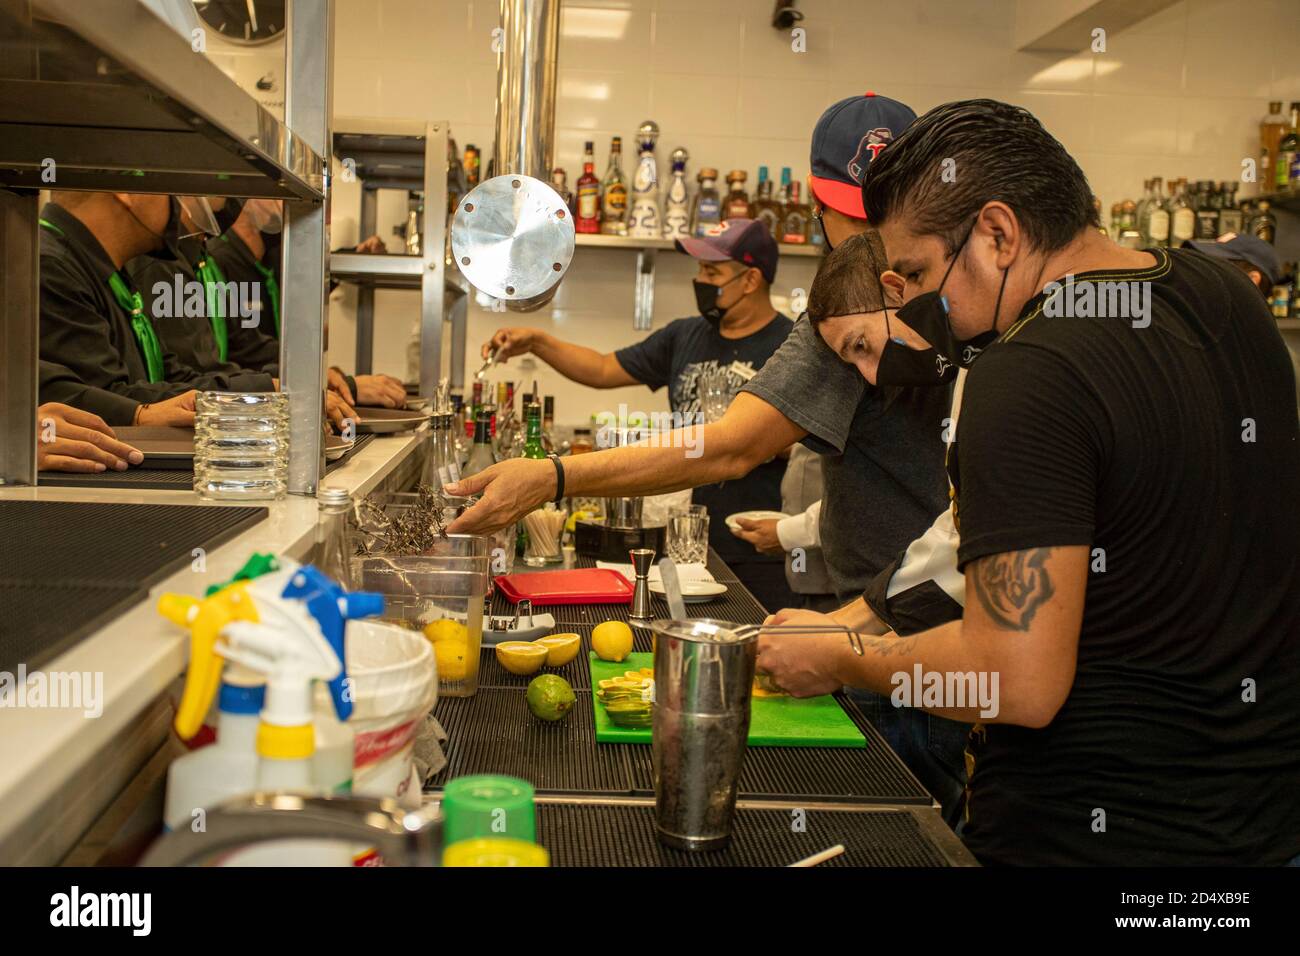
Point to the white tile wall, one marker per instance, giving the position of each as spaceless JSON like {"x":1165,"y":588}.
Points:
{"x":1177,"y":94}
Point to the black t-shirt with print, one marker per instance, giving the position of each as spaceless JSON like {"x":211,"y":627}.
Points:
{"x":674,"y":356}
{"x":1173,"y":452}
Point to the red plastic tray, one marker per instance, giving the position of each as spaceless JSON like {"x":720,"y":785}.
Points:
{"x":576,"y":586}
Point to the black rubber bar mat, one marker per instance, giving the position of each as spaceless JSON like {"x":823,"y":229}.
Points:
{"x":156,"y":479}
{"x":576,"y":672}
{"x":494,"y":732}
{"x":870,"y":775}
{"x":110,"y":554}
{"x":604,"y":835}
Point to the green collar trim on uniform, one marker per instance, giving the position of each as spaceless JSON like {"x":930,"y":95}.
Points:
{"x":271,"y":286}
{"x":130,"y":300}
{"x":210,"y":275}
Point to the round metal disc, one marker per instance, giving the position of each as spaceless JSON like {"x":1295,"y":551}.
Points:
{"x":512,"y":237}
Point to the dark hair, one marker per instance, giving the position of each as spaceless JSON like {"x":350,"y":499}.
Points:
{"x":992,"y":151}
{"x":848,"y":281}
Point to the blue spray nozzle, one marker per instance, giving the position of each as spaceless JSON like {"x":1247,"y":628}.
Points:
{"x":333,"y":607}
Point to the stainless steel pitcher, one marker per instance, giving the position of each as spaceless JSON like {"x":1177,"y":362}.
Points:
{"x":704,"y":674}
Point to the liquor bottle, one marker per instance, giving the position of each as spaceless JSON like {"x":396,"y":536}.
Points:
{"x":613,"y":205}
{"x":706,"y":211}
{"x":1116,"y":225}
{"x":1182,"y":217}
{"x":477,"y":403}
{"x":1263,"y":223}
{"x":480,"y":455}
{"x":736,"y":205}
{"x":794,"y":224}
{"x":330,"y":552}
{"x":1207,"y":210}
{"x":1230,"y":219}
{"x":586,"y":217}
{"x":1288,"y":155}
{"x":1158,"y":215}
{"x":1271,"y":130}
{"x":533,"y":445}
{"x":559,"y":184}
{"x":1129,"y":237}
{"x":1287,"y":146}
{"x":784,"y":194}
{"x":548,"y":424}
{"x":1096,"y":211}
{"x":677,"y":210}
{"x":766,"y":209}
{"x":643,"y":220}
{"x":471,"y":164}
{"x":506,"y":424}
{"x":1144,"y":211}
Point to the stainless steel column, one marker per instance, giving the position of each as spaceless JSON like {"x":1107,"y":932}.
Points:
{"x":433,"y":246}
{"x":526,"y":72}
{"x":19,"y":336}
{"x":365,"y":348}
{"x":309,"y":56}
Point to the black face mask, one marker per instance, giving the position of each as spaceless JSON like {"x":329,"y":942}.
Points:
{"x":928,"y":315}
{"x":227,"y":215}
{"x":907,"y":367}
{"x":706,"y":299}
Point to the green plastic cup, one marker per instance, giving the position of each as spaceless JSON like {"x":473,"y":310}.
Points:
{"x":488,"y":805}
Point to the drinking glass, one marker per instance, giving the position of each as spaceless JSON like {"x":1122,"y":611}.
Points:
{"x":687,"y":535}
{"x":241,"y":445}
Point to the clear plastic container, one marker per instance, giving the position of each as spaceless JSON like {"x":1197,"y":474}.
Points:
{"x":241,"y":445}
{"x":440,"y":593}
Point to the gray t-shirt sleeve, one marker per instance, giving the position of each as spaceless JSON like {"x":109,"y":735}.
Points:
{"x":808,"y":383}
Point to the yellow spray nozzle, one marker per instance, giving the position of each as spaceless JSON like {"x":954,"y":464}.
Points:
{"x":205,"y":619}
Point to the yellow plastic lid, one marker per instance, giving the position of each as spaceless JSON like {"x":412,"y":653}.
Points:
{"x":495,"y":851}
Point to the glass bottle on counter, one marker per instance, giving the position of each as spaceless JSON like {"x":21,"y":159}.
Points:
{"x":1263,"y":223}
{"x":559,"y":183}
{"x":766,"y":209}
{"x":480,"y":454}
{"x":587,"y":214}
{"x":330,"y":552}
{"x":1157,"y":233}
{"x":533,"y":445}
{"x":643,"y":217}
{"x":1207,"y":210}
{"x":706,"y":213}
{"x":1230,"y":219}
{"x":737,"y":205}
{"x":1288,"y":148}
{"x":1144,"y":211}
{"x":548,"y":424}
{"x":1271,"y":130}
{"x":677,"y":209}
{"x":613,"y":206}
{"x":794,"y":225}
{"x":1182,"y":217}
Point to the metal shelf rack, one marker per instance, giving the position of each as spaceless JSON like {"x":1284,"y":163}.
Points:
{"x":395,"y":154}
{"x":107,"y":96}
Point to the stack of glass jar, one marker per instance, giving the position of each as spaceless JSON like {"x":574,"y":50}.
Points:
{"x":241,"y":445}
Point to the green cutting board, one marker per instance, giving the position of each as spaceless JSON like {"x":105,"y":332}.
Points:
{"x":773,"y":721}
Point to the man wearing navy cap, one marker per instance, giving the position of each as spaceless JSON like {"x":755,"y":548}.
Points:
{"x":737,"y":324}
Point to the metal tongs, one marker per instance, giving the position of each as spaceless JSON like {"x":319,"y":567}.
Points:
{"x":855,"y":637}
{"x":491,"y":360}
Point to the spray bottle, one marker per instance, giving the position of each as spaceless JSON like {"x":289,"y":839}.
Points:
{"x":288,"y":625}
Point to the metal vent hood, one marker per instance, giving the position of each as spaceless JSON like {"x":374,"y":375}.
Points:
{"x":512,"y":235}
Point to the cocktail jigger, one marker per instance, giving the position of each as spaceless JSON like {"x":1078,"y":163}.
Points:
{"x":642,"y":560}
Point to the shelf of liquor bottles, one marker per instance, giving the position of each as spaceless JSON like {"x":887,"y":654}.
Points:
{"x":600,"y":241}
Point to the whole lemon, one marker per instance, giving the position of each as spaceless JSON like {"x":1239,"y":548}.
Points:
{"x":446,"y":629}
{"x":450,"y":657}
{"x":612,"y":641}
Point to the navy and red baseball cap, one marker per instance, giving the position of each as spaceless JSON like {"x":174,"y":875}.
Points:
{"x":746,"y":241}
{"x":1249,"y":249}
{"x":845,"y":141}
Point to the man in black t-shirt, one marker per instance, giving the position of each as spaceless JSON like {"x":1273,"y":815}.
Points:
{"x":1123,"y":470}
{"x":738,"y":326}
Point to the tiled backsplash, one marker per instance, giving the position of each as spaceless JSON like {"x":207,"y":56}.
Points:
{"x":1180,"y":93}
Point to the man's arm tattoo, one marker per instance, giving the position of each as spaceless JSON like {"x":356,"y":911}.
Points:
{"x":1013,"y":586}
{"x":887,"y":646}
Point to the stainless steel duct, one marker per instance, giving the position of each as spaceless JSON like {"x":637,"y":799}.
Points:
{"x":512,"y":235}
{"x":526,"y":71}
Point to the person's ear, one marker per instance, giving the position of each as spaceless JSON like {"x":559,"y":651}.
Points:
{"x":893,"y":284}
{"x":753,"y":278}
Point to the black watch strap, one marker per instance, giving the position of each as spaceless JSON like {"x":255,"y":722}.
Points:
{"x":559,"y":479}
